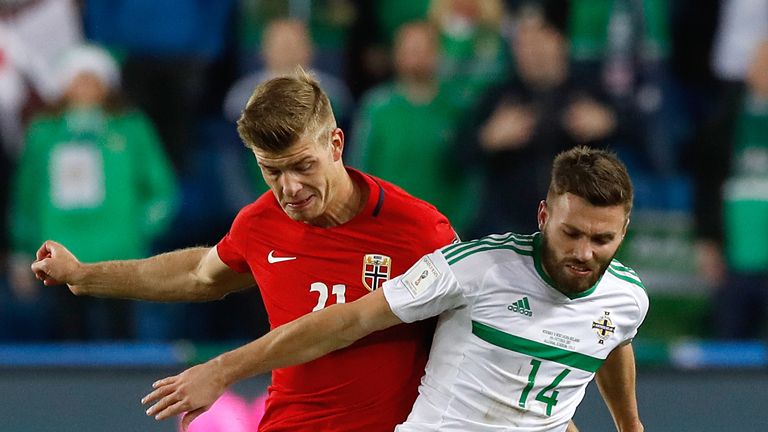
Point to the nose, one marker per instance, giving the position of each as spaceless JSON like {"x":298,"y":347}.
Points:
{"x":583,"y":251}
{"x":290,"y":184}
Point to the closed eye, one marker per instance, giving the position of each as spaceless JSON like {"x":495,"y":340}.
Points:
{"x":306,"y":166}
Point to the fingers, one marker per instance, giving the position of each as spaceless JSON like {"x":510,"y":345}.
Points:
{"x":156,"y":395}
{"x":168,"y":403}
{"x":45,"y":250}
{"x":188,"y":417}
{"x":164,"y":381}
{"x":40,"y":268}
{"x":172,"y":410}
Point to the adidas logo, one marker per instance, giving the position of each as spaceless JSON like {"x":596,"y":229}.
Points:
{"x":521,"y":306}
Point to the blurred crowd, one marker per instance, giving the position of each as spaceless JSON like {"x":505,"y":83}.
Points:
{"x":117,"y":133}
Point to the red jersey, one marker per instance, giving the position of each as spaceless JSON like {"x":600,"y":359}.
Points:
{"x":370,"y":385}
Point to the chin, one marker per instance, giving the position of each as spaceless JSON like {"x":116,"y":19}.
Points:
{"x":574,"y":286}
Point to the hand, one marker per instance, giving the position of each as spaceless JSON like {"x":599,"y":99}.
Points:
{"x":588,"y":120}
{"x":55,"y":265}
{"x":191,"y":392}
{"x":510,"y":127}
{"x":711,"y":263}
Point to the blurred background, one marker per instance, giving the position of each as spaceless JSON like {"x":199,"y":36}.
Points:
{"x":117,"y":138}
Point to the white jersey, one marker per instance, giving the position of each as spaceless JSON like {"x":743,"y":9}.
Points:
{"x":510,"y":352}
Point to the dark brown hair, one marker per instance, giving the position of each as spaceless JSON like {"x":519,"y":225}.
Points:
{"x":282,"y":110}
{"x":598,"y":176}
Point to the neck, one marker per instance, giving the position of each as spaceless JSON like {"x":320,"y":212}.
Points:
{"x":545,"y":80}
{"x":347,"y":202}
{"x":419,"y":91}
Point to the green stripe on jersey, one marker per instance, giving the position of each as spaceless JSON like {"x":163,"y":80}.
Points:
{"x":451,"y":250}
{"x":620,"y":267}
{"x":626,"y":277}
{"x":536,"y":349}
{"x":625,"y":273}
{"x":515,"y":242}
{"x":487,"y":248}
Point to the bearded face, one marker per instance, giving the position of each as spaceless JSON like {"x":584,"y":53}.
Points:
{"x":579,"y":240}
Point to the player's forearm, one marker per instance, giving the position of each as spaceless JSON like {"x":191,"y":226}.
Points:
{"x":616,"y":382}
{"x":297,"y":342}
{"x":571,"y":427}
{"x":165,"y":277}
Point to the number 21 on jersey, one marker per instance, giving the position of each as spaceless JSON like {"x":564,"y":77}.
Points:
{"x":338,"y":290}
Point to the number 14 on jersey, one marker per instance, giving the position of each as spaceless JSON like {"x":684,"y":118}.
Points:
{"x":549,"y":399}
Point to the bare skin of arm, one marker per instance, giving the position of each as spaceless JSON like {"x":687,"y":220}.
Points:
{"x":307,"y":338}
{"x":616,"y":381}
{"x":572,"y":427}
{"x":194,"y":390}
{"x":194,"y":274}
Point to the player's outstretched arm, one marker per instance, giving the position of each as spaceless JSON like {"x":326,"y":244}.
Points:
{"x":571,"y":427}
{"x":307,"y":338}
{"x":193,"y":274}
{"x":616,"y":381}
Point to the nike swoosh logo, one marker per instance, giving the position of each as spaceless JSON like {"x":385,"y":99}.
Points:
{"x":271,"y":258}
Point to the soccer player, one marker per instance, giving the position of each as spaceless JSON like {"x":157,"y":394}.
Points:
{"x":525,"y":321}
{"x":325,"y":235}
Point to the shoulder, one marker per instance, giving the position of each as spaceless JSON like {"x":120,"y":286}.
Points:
{"x":41,"y":129}
{"x":263,"y":209}
{"x":494,"y":248}
{"x":414,"y":218}
{"x":626,"y":275}
{"x":628,"y":281}
{"x":130,"y":117}
{"x":379,"y":96}
{"x":44,"y":121}
{"x":397,"y":199}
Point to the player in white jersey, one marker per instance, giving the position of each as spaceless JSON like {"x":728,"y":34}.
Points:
{"x":525,"y":321}
{"x":511,"y":352}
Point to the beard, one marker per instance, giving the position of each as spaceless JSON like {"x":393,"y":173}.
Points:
{"x":565,"y":281}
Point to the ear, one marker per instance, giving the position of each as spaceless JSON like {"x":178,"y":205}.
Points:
{"x":626,"y":226}
{"x":542,"y":214}
{"x":337,"y":144}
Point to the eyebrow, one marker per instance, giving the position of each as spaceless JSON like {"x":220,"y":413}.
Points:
{"x":289,"y":164}
{"x":603,"y":235}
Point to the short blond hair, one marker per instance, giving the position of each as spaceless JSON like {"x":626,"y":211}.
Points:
{"x":281,"y":110}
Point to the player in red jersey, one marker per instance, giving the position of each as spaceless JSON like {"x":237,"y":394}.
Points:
{"x":326,"y":234}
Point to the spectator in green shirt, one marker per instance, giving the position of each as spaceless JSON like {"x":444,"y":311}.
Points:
{"x":405,"y":130}
{"x":89,"y":167}
{"x":732,"y":211}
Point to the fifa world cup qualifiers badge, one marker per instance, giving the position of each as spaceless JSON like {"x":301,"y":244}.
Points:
{"x":421,"y":276}
{"x":603,"y":327}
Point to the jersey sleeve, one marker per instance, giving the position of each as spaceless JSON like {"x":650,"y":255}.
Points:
{"x":427,"y":289}
{"x":643,"y":304}
{"x":230,"y":248}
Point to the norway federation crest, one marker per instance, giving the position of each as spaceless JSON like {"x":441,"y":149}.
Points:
{"x":376,"y":270}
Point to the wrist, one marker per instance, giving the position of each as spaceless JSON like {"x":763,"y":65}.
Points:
{"x":78,"y":276}
{"x":227,"y":370}
{"x":633,"y":426}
